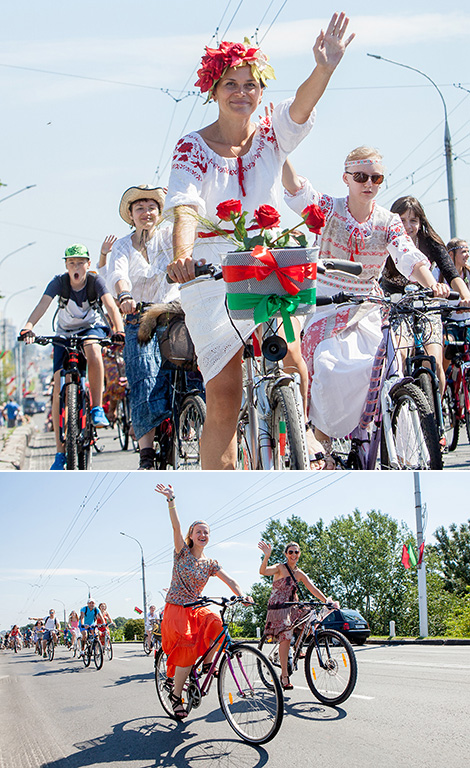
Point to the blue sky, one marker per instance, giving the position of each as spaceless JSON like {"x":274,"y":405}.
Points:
{"x":57,"y":529}
{"x":82,"y":142}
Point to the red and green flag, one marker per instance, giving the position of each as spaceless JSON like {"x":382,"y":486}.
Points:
{"x":138,"y":610}
{"x":409,"y":557}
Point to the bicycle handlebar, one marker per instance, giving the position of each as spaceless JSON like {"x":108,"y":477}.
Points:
{"x":222,"y":601}
{"x":65,"y":341}
{"x":339,"y":265}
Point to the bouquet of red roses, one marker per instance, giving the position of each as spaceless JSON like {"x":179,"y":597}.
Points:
{"x":266,"y":221}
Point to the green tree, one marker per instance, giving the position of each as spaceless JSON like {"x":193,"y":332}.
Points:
{"x":120,"y":621}
{"x":134,"y":628}
{"x":458,"y":621}
{"x":453,"y":549}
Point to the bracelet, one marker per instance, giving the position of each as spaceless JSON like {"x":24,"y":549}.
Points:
{"x":171,"y":499}
{"x":125,"y":296}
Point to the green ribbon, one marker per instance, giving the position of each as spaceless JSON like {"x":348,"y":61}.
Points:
{"x":265,"y":306}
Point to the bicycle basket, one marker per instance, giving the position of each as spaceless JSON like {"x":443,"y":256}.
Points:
{"x":286,"y":275}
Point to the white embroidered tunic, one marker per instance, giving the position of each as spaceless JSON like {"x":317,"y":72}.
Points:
{"x":340,"y":342}
{"x":202,"y":178}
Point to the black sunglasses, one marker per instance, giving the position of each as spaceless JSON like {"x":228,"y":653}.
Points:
{"x":293,"y":551}
{"x":361,"y":177}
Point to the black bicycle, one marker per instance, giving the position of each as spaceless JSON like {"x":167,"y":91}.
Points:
{"x":76,"y":428}
{"x":93,"y":648}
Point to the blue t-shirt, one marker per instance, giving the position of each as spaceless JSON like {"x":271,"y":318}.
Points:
{"x":12,"y":409}
{"x":90,"y":615}
{"x":77,"y":314}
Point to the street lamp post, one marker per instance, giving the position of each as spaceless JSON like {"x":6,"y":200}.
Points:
{"x":65,"y":617}
{"x":17,"y":250}
{"x":447,"y":145}
{"x":85,"y":582}
{"x":143,"y":572}
{"x":30,"y":186}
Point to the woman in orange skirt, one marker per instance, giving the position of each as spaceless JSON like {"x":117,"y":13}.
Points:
{"x":188,"y":632}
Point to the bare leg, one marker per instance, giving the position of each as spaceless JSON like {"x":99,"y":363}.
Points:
{"x":146,"y":441}
{"x":181,"y":673}
{"x":223,"y":398}
{"x":436,"y":351}
{"x":284,"y":655}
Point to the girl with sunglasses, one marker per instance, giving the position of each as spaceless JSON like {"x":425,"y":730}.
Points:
{"x":279,"y":619}
{"x":340,"y":341}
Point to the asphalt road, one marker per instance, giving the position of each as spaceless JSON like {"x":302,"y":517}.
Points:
{"x":410,"y":707}
{"x":41,"y":451}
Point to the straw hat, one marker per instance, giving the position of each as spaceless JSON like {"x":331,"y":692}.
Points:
{"x":142,"y":192}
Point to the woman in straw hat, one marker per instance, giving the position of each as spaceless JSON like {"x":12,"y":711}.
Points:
{"x":239,"y":159}
{"x":137,"y":274}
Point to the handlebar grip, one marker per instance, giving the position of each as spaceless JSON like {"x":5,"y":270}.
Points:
{"x":350,"y":267}
{"x":454,"y":296}
{"x":199,"y":269}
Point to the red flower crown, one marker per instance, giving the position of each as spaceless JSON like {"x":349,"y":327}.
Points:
{"x":216,"y":61}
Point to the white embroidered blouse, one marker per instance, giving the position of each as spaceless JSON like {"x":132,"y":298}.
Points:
{"x":147,"y":278}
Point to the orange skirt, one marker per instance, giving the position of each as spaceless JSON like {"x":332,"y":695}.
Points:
{"x":187,"y":633}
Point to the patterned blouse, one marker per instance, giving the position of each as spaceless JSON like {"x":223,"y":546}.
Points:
{"x":189,"y":576}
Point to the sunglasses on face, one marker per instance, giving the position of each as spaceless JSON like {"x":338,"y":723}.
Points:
{"x":293,"y":551}
{"x":361,"y":177}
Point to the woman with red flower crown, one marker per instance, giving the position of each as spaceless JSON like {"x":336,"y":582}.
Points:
{"x":340,"y":341}
{"x":235,"y":159}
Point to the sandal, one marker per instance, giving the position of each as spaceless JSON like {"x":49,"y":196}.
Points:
{"x":178,"y":708}
{"x":330,"y":462}
{"x":286,"y":686}
{"x":147,"y":458}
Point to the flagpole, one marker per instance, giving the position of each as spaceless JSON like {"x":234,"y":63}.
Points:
{"x":422,"y":595}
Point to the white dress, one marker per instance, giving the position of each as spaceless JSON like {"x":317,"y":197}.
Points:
{"x":340,"y":342}
{"x":147,"y":278}
{"x":202,"y":178}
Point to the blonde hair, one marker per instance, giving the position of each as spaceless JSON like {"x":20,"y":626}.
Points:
{"x":188,"y":540}
{"x":365,"y":153}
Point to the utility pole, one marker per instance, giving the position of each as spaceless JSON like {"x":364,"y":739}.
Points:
{"x":144,"y":595}
{"x":422,"y":595}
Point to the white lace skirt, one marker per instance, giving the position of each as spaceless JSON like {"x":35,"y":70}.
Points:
{"x":213,"y":333}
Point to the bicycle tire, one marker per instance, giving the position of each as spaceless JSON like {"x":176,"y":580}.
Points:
{"x":190,"y":422}
{"x":97,"y":651}
{"x":289,"y":452}
{"x":147,"y":646}
{"x":122,"y":421}
{"x":253,"y":709}
{"x":244,"y":448}
{"x":450,"y":418}
{"x":425,"y":384}
{"x":50,"y":650}
{"x":108,"y":648}
{"x":332,"y":679}
{"x":71,"y":437}
{"x":86,"y":438}
{"x":414,"y":431}
{"x":162,"y":685}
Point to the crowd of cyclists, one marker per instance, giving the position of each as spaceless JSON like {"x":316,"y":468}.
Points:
{"x":236,"y":164}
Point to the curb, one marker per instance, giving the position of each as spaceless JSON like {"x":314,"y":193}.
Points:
{"x":420,"y":641}
{"x":13,"y":454}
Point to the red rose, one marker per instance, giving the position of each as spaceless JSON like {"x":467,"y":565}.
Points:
{"x":314,"y":218}
{"x":267,"y":217}
{"x":225,"y":209}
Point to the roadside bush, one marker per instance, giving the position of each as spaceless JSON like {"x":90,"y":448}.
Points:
{"x":458,"y":622}
{"x":134,"y":627}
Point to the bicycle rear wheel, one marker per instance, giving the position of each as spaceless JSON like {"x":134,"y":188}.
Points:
{"x":287,"y":432}
{"x":330,"y":667}
{"x":163,"y":684}
{"x":253,"y":707}
{"x":71,"y":437}
{"x":450,"y":418}
{"x":147,"y":646}
{"x":190,"y":422}
{"x":414,"y":431}
{"x":97,"y":654}
{"x":87,"y":655}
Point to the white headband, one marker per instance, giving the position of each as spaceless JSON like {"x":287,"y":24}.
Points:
{"x":368,"y":160}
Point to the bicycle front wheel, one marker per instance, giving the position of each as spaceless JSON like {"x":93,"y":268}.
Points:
{"x":147,"y":646}
{"x":330,"y":667}
{"x":287,"y":431}
{"x":50,"y":650}
{"x":97,"y":654}
{"x":108,"y":648}
{"x":414,"y":431}
{"x":71,"y":437}
{"x":190,"y":422}
{"x":450,"y":418}
{"x":163,"y":684}
{"x":122,"y":421}
{"x":86,"y":438}
{"x":87,"y":655}
{"x":253,"y":707}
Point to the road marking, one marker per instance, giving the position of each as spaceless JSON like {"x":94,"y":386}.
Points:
{"x":415,"y":664}
{"x":353,"y":695}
